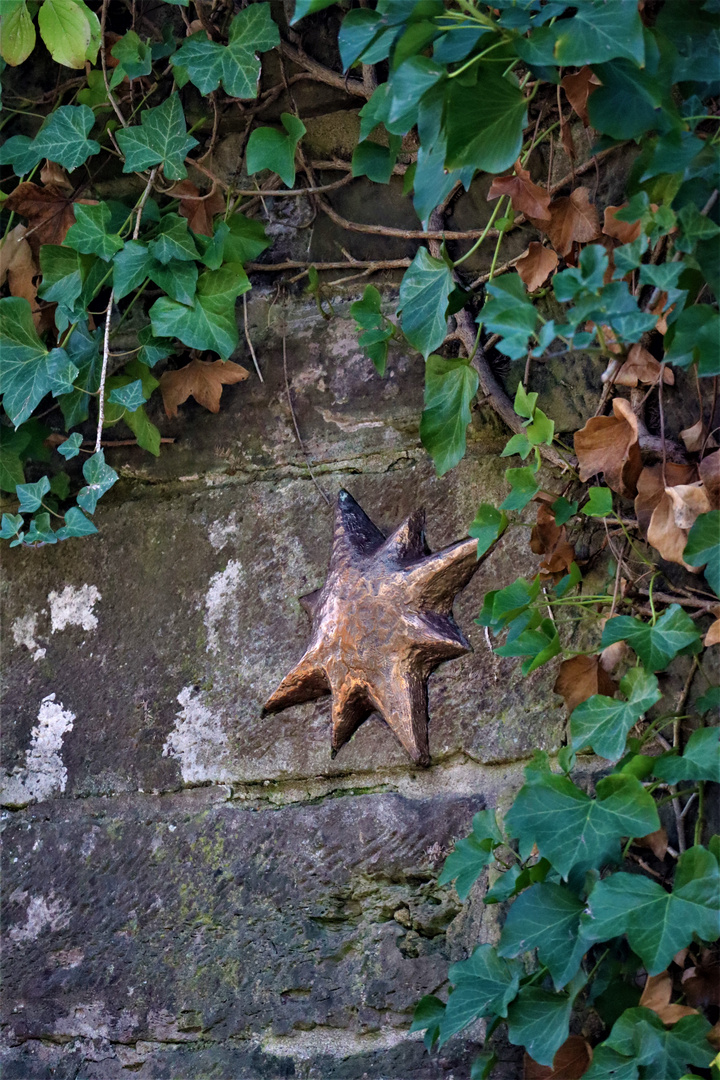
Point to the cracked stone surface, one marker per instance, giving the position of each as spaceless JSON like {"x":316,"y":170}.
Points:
{"x":192,"y":891}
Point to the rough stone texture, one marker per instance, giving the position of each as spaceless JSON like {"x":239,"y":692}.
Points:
{"x":191,"y":890}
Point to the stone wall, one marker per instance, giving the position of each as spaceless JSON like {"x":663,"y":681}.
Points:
{"x":192,"y":890}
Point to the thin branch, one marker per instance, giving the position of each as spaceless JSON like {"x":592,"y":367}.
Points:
{"x":401,"y":234}
{"x":249,"y":339}
{"x":294,"y":418}
{"x":141,"y":204}
{"x":103,"y":61}
{"x":347,"y":264}
{"x":103,"y":373}
{"x":325,"y":75}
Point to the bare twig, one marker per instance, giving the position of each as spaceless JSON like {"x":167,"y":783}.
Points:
{"x":325,"y":75}
{"x":294,"y":418}
{"x":401,"y":234}
{"x":249,"y":339}
{"x":103,"y":372}
{"x":119,"y":442}
{"x":143,"y":199}
{"x":358,"y":264}
{"x":103,"y":61}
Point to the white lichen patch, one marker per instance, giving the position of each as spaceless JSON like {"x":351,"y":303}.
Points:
{"x":44,"y":773}
{"x":23,"y":631}
{"x":41,"y":914}
{"x":74,"y":607}
{"x":221,"y":532}
{"x":221,"y":606}
{"x":197,"y":741}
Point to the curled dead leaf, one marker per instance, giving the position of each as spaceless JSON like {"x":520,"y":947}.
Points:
{"x":571,"y":1061}
{"x":697,"y":437}
{"x":688,"y":501}
{"x":656,"y":996}
{"x":624,"y":231}
{"x":535,"y":264}
{"x":199,"y":209}
{"x":609,"y":445}
{"x":611,"y":656}
{"x":17,"y":265}
{"x":709,"y":469}
{"x":526,"y":197}
{"x":650,"y":488}
{"x":578,"y":87}
{"x":712,"y":636}
{"x":52,"y":173}
{"x":672,"y":519}
{"x":580,"y":677}
{"x":545,"y":535}
{"x":657,"y":842}
{"x":558,"y":562}
{"x":572,"y":217}
{"x":201,"y":380}
{"x":701,"y":984}
{"x":642,"y":367}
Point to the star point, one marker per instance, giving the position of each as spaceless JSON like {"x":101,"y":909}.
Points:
{"x":381,"y":623}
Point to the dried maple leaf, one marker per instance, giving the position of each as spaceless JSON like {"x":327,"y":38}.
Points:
{"x":657,"y":842}
{"x":642,"y":367}
{"x":624,"y":231}
{"x":545,"y":535}
{"x":18,"y":266}
{"x":578,"y":87}
{"x":197,"y":208}
{"x":49,"y":212}
{"x":571,"y":1061}
{"x":651,"y":488}
{"x":656,"y":996}
{"x":709,"y":469}
{"x":572,"y":217}
{"x":609,"y":445}
{"x":696,"y":437}
{"x":201,"y":380}
{"x":535,"y":264}
{"x":526,"y":197}
{"x":580,"y":677}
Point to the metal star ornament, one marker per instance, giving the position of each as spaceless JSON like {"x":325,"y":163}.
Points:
{"x":380,"y":624}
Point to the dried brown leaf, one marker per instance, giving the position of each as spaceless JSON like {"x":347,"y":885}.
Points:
{"x":557,"y":564}
{"x":52,"y":173}
{"x":545,"y":535}
{"x":609,"y":445}
{"x":526,"y":197}
{"x":656,"y":996}
{"x":624,"y":231}
{"x":578,"y":87}
{"x":672,"y":519}
{"x":572,"y":217}
{"x":571,"y":1062}
{"x":650,"y":488}
{"x":696,"y":437}
{"x":536,"y":264}
{"x":198,"y":209}
{"x":701,"y":985}
{"x":201,"y":380}
{"x":611,"y":656}
{"x":713,"y":1036}
{"x":712,"y":636}
{"x":566,"y":138}
{"x":710,"y":475}
{"x":657,"y":842}
{"x":18,"y":266}
{"x":580,"y":677}
{"x":688,"y":501}
{"x":642,"y":367}
{"x":49,"y":212}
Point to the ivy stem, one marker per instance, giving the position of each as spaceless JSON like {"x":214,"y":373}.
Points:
{"x":474,"y":59}
{"x":480,"y":239}
{"x":103,"y":373}
{"x":697,"y":838}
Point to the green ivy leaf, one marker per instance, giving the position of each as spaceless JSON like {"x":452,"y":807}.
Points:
{"x":703,"y":547}
{"x":699,"y":761}
{"x":510,"y":314}
{"x":153,"y":349}
{"x":40,"y":532}
{"x":489,"y":524}
{"x":17,"y":33}
{"x":450,"y":387}
{"x":599,"y":32}
{"x":524,"y":486}
{"x":135,"y":58}
{"x":540,"y":1021}
{"x":90,"y":235}
{"x":31,"y":495}
{"x":428,"y":1014}
{"x":629,"y":102}
{"x":28,"y":371}
{"x":484,"y":122}
{"x":174,"y":241}
{"x":130,"y":395}
{"x":546,"y":917}
{"x":599,"y":502}
{"x":62,"y":138}
{"x":65,"y":273}
{"x":210,"y":323}
{"x":12,"y":445}
{"x":84,"y":349}
{"x":268,"y":148}
{"x":483,"y":985}
{"x":607,"y":1064}
{"x":375,"y":161}
{"x":655,"y":645}
{"x":465,"y":862}
{"x":245,"y":240}
{"x":657,"y":923}
{"x":308,"y":7}
{"x":76,"y":524}
{"x":71,"y":447}
{"x":100,"y":478}
{"x":563,"y":510}
{"x":641,"y":1035}
{"x":130,"y":268}
{"x":235,"y":65}
{"x":573,"y":830}
{"x":424,"y":291}
{"x":603,"y":723}
{"x":10,"y":526}
{"x":161,"y":139}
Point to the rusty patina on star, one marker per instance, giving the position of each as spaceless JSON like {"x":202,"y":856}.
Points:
{"x":380,"y":624}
